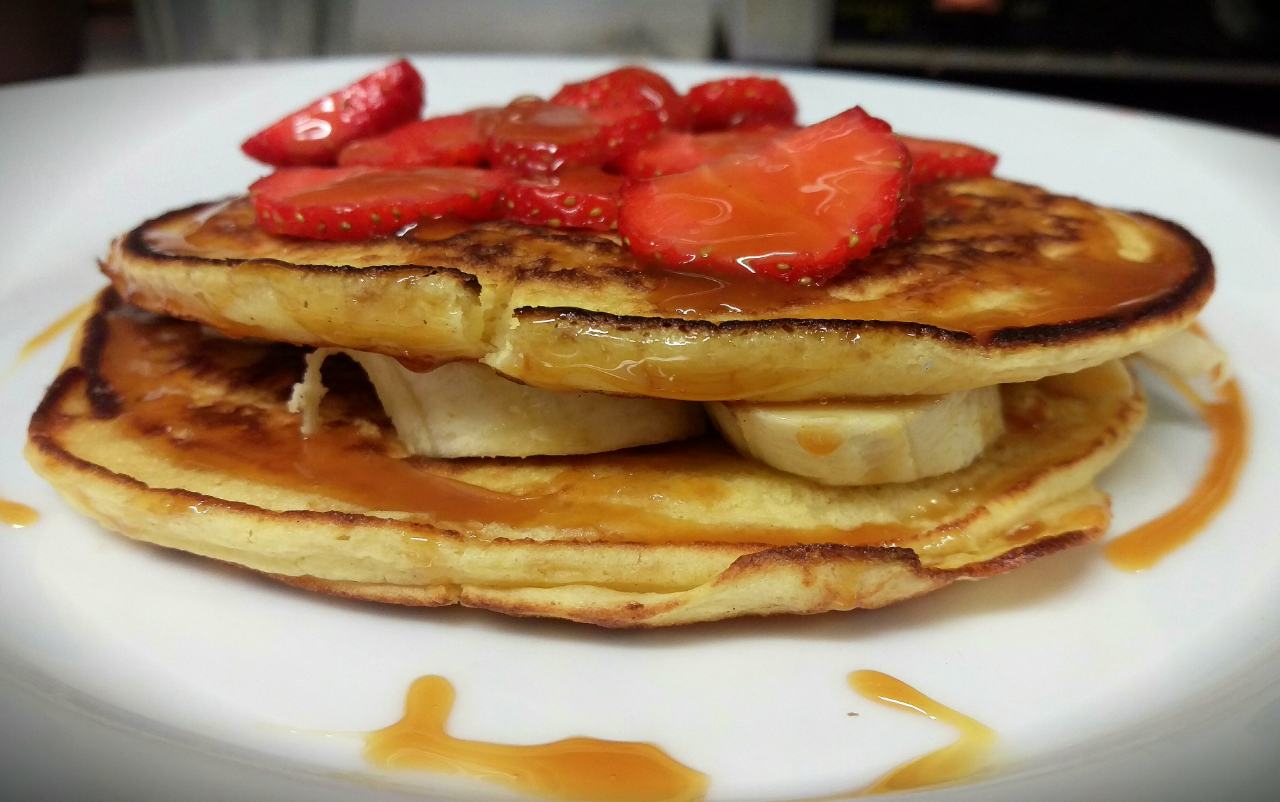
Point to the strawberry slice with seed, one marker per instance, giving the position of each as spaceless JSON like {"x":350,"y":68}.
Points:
{"x":936,"y":159}
{"x":578,"y":197}
{"x":457,"y":140}
{"x":740,"y":103}
{"x":677,"y":151}
{"x":353,"y":203}
{"x":797,"y":209}
{"x":626,"y":128}
{"x":632,"y":87}
{"x":316,"y":134}
{"x":533,"y":136}
{"x":910,"y":221}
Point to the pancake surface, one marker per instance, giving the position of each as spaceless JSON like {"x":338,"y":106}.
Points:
{"x":171,"y":435}
{"x":1007,"y":283}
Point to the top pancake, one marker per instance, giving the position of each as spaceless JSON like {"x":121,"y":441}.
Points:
{"x":1007,"y":283}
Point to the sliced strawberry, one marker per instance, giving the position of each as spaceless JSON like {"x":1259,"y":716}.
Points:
{"x":314,"y":135}
{"x":935,"y":159}
{"x":458,"y":140}
{"x":740,"y":103}
{"x":910,"y":221}
{"x":676,"y":151}
{"x":626,"y":128}
{"x":578,"y":197}
{"x":351,"y":203}
{"x":634,"y":87}
{"x":533,"y":136}
{"x":797,"y":209}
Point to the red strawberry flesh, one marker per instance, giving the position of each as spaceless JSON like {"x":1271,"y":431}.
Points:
{"x":352,"y":203}
{"x":936,"y":159}
{"x":457,"y":140}
{"x":740,"y":103}
{"x":633,"y":87}
{"x":676,"y":151}
{"x":798,"y":209}
{"x":314,"y":135}
{"x":534,"y":136}
{"x":578,"y":197}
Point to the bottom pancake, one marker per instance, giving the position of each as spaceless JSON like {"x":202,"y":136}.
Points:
{"x":171,"y":435}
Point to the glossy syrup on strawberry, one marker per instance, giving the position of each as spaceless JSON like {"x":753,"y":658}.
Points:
{"x":630,"y":87}
{"x":314,"y":135}
{"x":353,"y":203}
{"x":533,"y":136}
{"x":797,"y":209}
{"x":678,"y":151}
{"x":937,"y":159}
{"x":456,"y":140}
{"x":578,"y":197}
{"x":740,"y":103}
{"x":717,"y":182}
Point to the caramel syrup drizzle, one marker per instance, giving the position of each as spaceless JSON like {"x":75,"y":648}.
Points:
{"x":1085,"y":280}
{"x":16,"y":514}
{"x":571,"y":769}
{"x":337,"y":462}
{"x":621,"y":771}
{"x":57,"y":327}
{"x":953,"y":763}
{"x":1150,"y":543}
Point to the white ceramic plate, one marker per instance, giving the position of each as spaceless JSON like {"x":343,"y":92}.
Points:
{"x":132,"y":673}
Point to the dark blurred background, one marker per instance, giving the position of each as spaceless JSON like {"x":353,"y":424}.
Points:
{"x":1216,"y":60}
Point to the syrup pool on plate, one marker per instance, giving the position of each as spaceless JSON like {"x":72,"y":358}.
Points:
{"x":13,"y":513}
{"x":57,"y":327}
{"x":571,"y":769}
{"x":17,"y":515}
{"x":956,"y":762}
{"x":1151,"y":542}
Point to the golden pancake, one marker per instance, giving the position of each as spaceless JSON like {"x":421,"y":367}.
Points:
{"x":170,"y":434}
{"x":1007,"y":283}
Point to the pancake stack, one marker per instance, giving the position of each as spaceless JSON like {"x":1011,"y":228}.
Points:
{"x":526,"y":420}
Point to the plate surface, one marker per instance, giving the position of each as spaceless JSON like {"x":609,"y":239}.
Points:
{"x":162,"y":676}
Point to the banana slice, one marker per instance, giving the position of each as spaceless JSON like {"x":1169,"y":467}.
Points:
{"x":866,"y":442}
{"x":464,"y":409}
{"x":1194,"y":359}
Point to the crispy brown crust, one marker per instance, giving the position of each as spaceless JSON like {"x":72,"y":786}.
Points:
{"x":640,"y":615}
{"x":134,"y":242}
{"x":48,"y":421}
{"x":1192,"y":291}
